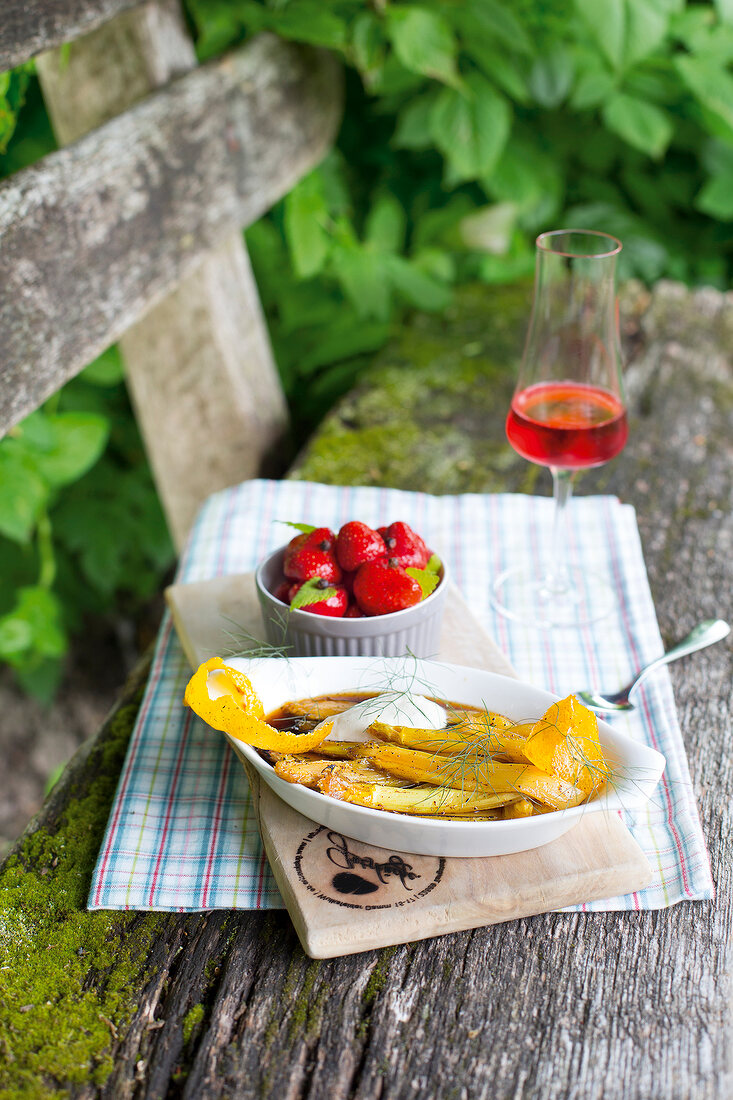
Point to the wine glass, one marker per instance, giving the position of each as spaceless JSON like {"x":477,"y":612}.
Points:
{"x":567,"y":412}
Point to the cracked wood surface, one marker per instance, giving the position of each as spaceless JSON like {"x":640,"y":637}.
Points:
{"x":596,"y":1007}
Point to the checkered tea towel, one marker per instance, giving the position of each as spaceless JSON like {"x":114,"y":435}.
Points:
{"x":182,"y":835}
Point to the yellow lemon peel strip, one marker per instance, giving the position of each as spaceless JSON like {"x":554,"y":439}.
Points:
{"x":238,"y":711}
{"x":564,"y":742}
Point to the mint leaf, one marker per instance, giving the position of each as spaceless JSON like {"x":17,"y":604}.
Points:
{"x":427,"y":581}
{"x":310,"y":593}
{"x":434,"y":565}
{"x":306,"y":528}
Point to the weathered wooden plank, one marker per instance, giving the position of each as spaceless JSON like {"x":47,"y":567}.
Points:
{"x":561,"y":1007}
{"x":29,"y":26}
{"x":98,"y":232}
{"x":199,"y":364}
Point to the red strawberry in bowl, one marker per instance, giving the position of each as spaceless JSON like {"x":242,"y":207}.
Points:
{"x":404,"y":546}
{"x":319,"y":597}
{"x":312,"y":555}
{"x":381,"y":587}
{"x":358,"y":543}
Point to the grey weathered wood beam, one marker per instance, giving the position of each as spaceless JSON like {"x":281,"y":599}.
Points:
{"x":94,"y":234}
{"x":29,"y":26}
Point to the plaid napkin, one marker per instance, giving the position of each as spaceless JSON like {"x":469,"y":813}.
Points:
{"x":182,"y":835}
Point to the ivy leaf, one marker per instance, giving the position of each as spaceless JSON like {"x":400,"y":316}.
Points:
{"x":427,"y":580}
{"x":471,"y":130}
{"x":310,"y":593}
{"x":23,"y":494}
{"x":424,"y":43}
{"x":641,"y":124}
{"x":305,"y":528}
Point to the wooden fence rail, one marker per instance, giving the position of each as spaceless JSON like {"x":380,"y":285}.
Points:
{"x":29,"y":26}
{"x":94,"y":234}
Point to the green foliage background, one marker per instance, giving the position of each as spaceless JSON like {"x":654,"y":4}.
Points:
{"x":470,"y":125}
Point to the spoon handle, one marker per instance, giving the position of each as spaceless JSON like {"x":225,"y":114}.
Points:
{"x":704,"y":634}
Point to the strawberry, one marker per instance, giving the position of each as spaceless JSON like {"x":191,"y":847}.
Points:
{"x":312,"y":555}
{"x":404,"y":546}
{"x":282,"y":592}
{"x":305,"y":597}
{"x":381,"y":587}
{"x":353,"y":611}
{"x":356,"y":544}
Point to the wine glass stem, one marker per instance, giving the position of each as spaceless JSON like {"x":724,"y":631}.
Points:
{"x":557,"y":576}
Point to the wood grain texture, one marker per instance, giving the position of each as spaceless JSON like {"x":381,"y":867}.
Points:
{"x":29,"y":26}
{"x":562,"y":1007}
{"x":98,"y":232}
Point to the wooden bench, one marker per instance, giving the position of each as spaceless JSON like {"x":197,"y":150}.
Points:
{"x":225,"y":1004}
{"x":133,"y":232}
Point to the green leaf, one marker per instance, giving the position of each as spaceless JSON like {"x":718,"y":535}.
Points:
{"x":427,"y":580}
{"x":500,"y":68}
{"x":106,"y":369}
{"x":306,"y":215}
{"x":493,"y":23}
{"x":641,"y":124}
{"x":79,"y":440}
{"x":16,"y":637}
{"x":606,"y":22}
{"x":551,"y":77}
{"x":367,"y":43}
{"x":592,"y":88}
{"x":716,"y":197}
{"x":434,"y":565}
{"x":386,"y":223}
{"x":307,"y":21}
{"x":413,"y":122}
{"x":304,"y":528}
{"x":40,"y":610}
{"x":310,"y":593}
{"x":361,"y":274}
{"x":424,"y":42}
{"x":647,"y":22}
{"x":711,"y":86}
{"x":471,"y":130}
{"x":23,"y":494}
{"x":419,"y":289}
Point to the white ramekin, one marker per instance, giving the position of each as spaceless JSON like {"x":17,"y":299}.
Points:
{"x":415,"y":630}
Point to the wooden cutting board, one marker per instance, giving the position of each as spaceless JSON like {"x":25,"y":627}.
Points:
{"x":344,"y":896}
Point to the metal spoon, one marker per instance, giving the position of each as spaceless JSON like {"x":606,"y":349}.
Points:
{"x":712,"y":630}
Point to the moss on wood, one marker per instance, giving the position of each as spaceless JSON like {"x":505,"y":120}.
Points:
{"x":66,"y":974}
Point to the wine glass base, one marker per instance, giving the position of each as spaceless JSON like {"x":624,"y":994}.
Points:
{"x":521,"y":596}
